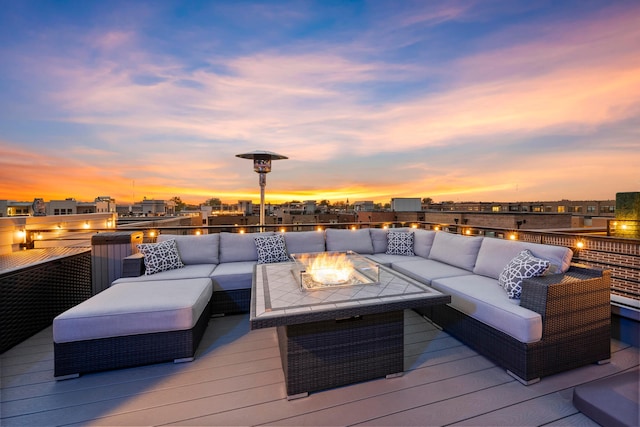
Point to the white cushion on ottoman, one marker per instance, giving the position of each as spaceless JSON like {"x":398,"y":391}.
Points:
{"x":135,"y":308}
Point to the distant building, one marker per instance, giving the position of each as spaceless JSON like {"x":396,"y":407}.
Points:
{"x":13,"y":208}
{"x":364,"y":206}
{"x":406,"y":204}
{"x":67,"y":206}
{"x":587,"y":208}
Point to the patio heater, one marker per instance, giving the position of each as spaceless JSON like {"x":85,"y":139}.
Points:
{"x":262,"y":166}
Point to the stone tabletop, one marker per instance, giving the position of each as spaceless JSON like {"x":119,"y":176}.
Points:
{"x":277,"y":298}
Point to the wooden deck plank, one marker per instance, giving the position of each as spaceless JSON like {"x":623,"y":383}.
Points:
{"x":236,"y":379}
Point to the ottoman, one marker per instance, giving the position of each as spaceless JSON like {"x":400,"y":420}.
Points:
{"x":132,"y":324}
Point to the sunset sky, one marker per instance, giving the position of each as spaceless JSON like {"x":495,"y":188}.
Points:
{"x":370,"y":100}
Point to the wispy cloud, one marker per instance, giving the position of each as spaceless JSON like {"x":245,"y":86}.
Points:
{"x":466,"y":124}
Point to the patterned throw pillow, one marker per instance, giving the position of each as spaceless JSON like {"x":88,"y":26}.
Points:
{"x":523,"y":266}
{"x":161,"y":256}
{"x":400,"y":243}
{"x":271,"y":249}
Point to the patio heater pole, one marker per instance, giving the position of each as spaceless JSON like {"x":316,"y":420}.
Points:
{"x":262,"y":166}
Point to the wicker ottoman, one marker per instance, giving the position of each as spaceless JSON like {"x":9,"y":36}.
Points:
{"x":132,"y":324}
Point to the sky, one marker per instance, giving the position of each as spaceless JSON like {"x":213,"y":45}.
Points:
{"x":369,"y":100}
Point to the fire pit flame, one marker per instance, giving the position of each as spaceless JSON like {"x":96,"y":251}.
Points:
{"x":330,"y":269}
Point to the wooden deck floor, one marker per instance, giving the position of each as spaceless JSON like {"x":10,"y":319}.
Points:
{"x":236,"y":379}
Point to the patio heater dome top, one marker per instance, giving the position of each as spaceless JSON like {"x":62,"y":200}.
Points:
{"x":262,"y":154}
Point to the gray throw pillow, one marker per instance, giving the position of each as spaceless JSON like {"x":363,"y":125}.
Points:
{"x":271,"y":249}
{"x":161,"y":256}
{"x":523,"y":266}
{"x":400,"y":243}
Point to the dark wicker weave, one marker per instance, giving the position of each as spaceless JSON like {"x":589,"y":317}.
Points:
{"x":230,"y":302}
{"x":576,"y":315}
{"x":133,"y":350}
{"x":32,"y":296}
{"x":331,"y":353}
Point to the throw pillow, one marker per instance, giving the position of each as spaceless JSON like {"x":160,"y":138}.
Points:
{"x":523,"y":266}
{"x":400,"y":243}
{"x":161,"y":256}
{"x":271,"y":249}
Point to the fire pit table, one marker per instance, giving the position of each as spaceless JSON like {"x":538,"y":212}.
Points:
{"x":336,"y":333}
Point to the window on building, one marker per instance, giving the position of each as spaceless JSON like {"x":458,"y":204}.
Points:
{"x":576,"y":209}
{"x":495,"y":209}
{"x":537,"y":209}
{"x":548,"y":209}
{"x":591,"y":209}
{"x":607,"y":209}
{"x":56,"y":211}
{"x":562,"y":209}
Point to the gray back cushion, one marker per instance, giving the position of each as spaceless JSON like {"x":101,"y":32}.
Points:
{"x":349,"y":240}
{"x":379,"y":239}
{"x":422,"y":242}
{"x":236,"y":247}
{"x":455,"y":249}
{"x":495,"y":254}
{"x":299,"y":242}
{"x":194,"y":249}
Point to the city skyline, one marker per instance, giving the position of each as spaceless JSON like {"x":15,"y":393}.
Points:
{"x":460,"y":101}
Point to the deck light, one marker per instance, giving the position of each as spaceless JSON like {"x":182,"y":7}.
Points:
{"x":513,"y":236}
{"x":579,"y":244}
{"x":262,"y":166}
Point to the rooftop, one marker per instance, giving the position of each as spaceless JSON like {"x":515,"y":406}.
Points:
{"x":236,"y":379}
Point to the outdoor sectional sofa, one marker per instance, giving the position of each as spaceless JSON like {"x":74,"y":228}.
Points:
{"x":561,"y":320}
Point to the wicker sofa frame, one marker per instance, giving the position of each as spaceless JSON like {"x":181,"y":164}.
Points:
{"x":80,"y":357}
{"x":575,"y":311}
{"x":576,"y":321}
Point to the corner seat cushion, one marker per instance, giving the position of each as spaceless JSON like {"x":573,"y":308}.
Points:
{"x":455,"y":249}
{"x":233,"y":276}
{"x":349,"y":240}
{"x":426,"y":270}
{"x":300,"y":242}
{"x":135,"y":308}
{"x":187,"y":272}
{"x":195,"y":249}
{"x":495,"y":254}
{"x":486,"y":301}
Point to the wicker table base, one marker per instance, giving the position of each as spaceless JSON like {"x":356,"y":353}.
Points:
{"x":337,"y":336}
{"x":332,"y":353}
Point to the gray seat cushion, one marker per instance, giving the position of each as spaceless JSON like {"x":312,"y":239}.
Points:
{"x":233,"y":276}
{"x":486,"y":301}
{"x":426,"y":270}
{"x":455,"y":249}
{"x":300,"y":242}
{"x":236,"y":247}
{"x":495,"y":254}
{"x":135,"y":308}
{"x":186,"y":272}
{"x":349,"y":240}
{"x":388,"y":260}
{"x":194,"y":249}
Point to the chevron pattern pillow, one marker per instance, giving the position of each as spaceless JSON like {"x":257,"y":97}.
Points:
{"x":161,"y":256}
{"x":400,"y":243}
{"x":523,"y":266}
{"x":271,"y":249}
